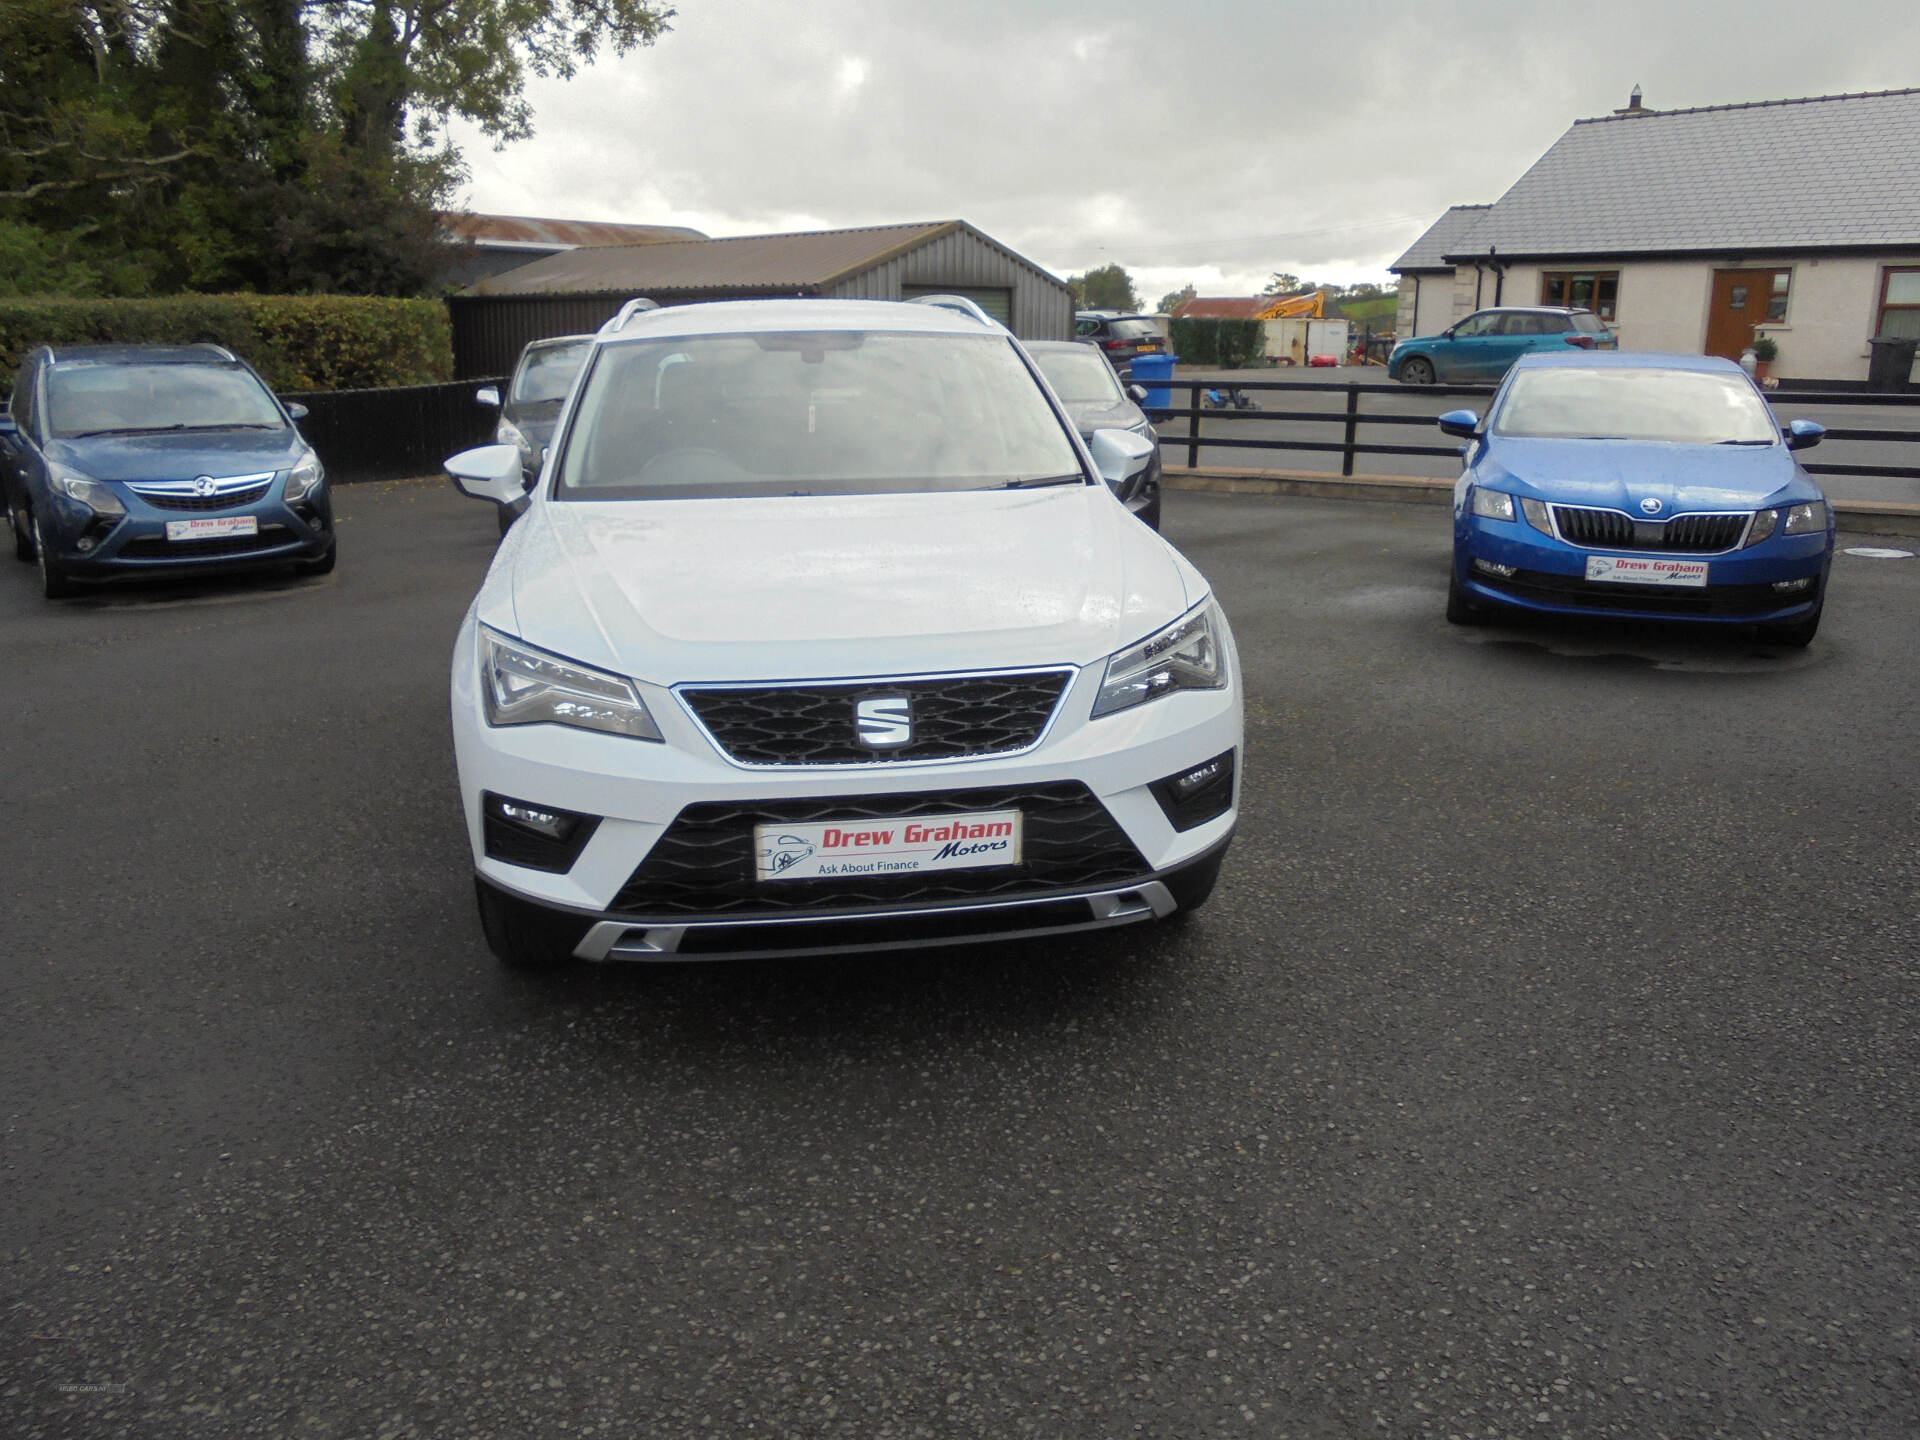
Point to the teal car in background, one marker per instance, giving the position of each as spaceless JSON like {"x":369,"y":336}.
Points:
{"x":1480,"y":349}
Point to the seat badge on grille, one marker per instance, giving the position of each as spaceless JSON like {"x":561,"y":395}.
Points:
{"x":1650,"y":506}
{"x":205,"y":486}
{"x":883,"y":722}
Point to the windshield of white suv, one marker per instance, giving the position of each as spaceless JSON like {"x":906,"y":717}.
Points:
{"x":90,"y":399}
{"x":1079,"y":376}
{"x":1692,"y":407}
{"x":546,"y":373}
{"x":811,"y":413}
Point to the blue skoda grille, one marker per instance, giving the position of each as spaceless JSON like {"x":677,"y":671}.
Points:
{"x":1615,"y":530}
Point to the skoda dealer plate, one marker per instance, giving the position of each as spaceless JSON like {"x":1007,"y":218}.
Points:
{"x":212,"y":526}
{"x":1634,"y":570}
{"x":820,"y":850}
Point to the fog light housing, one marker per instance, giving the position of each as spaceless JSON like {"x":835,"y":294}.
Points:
{"x":1788,"y":587}
{"x":539,"y":837}
{"x":1489,"y":567}
{"x":1194,"y":796}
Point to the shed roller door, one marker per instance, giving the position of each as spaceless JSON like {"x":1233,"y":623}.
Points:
{"x":996,"y":301}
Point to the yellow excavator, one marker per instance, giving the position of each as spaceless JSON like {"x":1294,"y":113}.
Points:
{"x":1310,"y":306}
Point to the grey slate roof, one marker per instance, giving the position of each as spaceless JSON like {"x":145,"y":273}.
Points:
{"x":1826,"y":172}
{"x":799,"y":263}
{"x":1445,"y":236}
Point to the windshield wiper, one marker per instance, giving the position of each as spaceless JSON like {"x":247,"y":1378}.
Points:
{"x":125,"y":430}
{"x":1743,"y":442}
{"x":174,"y":428}
{"x":1038,"y":481}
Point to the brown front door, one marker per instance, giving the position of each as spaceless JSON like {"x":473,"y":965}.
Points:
{"x":1739,"y":303}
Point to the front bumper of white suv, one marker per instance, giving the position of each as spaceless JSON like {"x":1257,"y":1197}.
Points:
{"x":608,"y":847}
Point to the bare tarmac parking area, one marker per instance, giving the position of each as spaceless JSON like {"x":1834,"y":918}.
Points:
{"x":1542,"y":1066}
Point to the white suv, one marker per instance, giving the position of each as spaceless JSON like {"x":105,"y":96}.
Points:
{"x":825,"y":632}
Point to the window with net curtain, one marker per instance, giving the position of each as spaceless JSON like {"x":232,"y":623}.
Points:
{"x":1900,"y":305}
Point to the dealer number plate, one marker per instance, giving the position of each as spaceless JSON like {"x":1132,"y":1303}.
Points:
{"x":1634,"y":570}
{"x":212,"y":526}
{"x":910,"y":845}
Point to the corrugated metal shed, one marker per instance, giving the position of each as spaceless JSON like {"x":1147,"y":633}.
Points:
{"x":577,"y":291}
{"x":534,"y":233}
{"x":1222,"y":307}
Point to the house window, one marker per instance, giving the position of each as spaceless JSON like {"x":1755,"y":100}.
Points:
{"x":1594,"y":290}
{"x":1900,"y":304}
{"x":1777,"y":299}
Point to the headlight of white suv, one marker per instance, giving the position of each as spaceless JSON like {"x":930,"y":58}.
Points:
{"x":520,"y":685}
{"x":304,"y":478}
{"x":1184,"y":656}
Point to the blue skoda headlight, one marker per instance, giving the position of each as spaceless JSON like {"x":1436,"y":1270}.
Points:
{"x":1492,"y":504}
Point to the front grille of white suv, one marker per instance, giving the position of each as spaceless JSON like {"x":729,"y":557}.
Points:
{"x":948,"y":717}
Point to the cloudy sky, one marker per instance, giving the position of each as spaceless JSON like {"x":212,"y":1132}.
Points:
{"x":1207,"y":143}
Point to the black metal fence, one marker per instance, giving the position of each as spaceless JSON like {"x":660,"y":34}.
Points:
{"x":1352,"y":415}
{"x":391,"y":434}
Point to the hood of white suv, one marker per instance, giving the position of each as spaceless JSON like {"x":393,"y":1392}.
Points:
{"x":823,"y":586}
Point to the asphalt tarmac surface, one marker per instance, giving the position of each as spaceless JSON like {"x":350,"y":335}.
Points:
{"x":1542,"y":1066}
{"x":1317,"y":392}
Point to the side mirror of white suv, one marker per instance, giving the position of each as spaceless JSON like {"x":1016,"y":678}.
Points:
{"x":488,"y":472}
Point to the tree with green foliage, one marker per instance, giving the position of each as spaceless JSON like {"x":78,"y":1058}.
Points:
{"x":1108,"y":287}
{"x":1174,"y":299}
{"x":149,"y":146}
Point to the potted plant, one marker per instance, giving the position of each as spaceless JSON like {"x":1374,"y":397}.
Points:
{"x":1766,"y":350}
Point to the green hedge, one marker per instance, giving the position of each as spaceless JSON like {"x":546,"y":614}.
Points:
{"x":1228,"y":344}
{"x":296,"y":342}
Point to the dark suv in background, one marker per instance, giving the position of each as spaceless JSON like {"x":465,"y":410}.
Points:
{"x":1120,"y":336}
{"x":124,"y":461}
{"x":531,"y":407}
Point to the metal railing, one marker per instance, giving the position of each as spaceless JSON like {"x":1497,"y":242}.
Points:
{"x":1352,"y":416}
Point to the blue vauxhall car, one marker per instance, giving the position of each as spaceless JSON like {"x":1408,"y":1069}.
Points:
{"x":1481,"y":348}
{"x":119,"y":461}
{"x":1638,"y":485}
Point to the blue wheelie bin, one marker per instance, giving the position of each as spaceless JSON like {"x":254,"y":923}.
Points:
{"x":1155,"y":372}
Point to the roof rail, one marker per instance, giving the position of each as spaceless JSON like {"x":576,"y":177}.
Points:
{"x":960,"y":303}
{"x":220,"y":350}
{"x":633,"y":307}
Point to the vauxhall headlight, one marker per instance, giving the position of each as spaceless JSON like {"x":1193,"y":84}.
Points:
{"x":304,"y":478}
{"x":523,"y":686}
{"x":1492,"y":504}
{"x":97,"y":497}
{"x":1184,"y":656}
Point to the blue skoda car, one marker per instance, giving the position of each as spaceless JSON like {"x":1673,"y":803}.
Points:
{"x":145,"y":460}
{"x":1634,"y":485}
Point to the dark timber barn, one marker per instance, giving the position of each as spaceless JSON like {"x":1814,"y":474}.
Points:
{"x":576,"y":291}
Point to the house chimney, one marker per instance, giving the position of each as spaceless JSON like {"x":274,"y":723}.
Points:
{"x":1633,"y":106}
